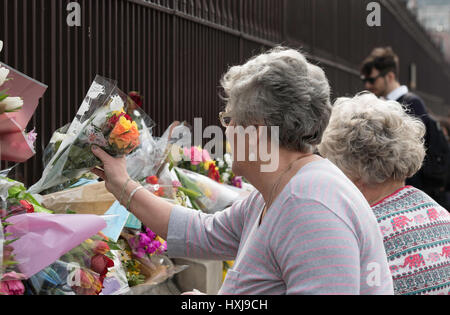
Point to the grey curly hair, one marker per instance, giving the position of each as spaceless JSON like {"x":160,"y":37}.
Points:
{"x":280,"y":88}
{"x":373,"y":140}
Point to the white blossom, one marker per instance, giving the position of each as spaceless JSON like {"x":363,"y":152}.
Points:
{"x":10,"y":104}
{"x":226,"y":177}
{"x":1,"y":45}
{"x":3,"y":75}
{"x":228,"y":160}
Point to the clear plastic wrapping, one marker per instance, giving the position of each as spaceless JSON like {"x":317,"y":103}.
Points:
{"x":152,"y":154}
{"x":91,"y":268}
{"x":107,"y":118}
{"x":206,"y":194}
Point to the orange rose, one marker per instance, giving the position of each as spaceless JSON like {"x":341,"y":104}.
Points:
{"x":125,"y":135}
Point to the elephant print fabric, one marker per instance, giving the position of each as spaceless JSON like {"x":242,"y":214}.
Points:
{"x":416,"y":234}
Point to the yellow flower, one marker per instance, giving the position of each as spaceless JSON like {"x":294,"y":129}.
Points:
{"x":89,"y":241}
{"x":159,"y":239}
{"x":118,"y":112}
{"x":207,"y":164}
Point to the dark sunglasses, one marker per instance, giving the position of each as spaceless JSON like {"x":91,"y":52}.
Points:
{"x":371,"y":81}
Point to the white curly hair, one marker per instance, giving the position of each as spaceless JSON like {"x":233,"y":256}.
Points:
{"x":374,"y":140}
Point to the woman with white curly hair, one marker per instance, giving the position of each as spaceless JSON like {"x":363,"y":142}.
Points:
{"x":378,"y":146}
{"x":307,"y":229}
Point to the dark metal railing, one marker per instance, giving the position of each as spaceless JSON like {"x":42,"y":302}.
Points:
{"x":175,"y":51}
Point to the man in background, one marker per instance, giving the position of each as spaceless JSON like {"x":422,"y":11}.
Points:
{"x":380,"y":74}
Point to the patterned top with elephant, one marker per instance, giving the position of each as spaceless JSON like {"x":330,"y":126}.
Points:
{"x":416,"y":233}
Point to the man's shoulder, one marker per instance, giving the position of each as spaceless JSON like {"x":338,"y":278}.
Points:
{"x":411,"y":97}
{"x":415,"y":104}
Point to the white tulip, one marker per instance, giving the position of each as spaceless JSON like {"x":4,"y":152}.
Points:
{"x":11,"y":104}
{"x":3,"y":75}
{"x":1,"y":46}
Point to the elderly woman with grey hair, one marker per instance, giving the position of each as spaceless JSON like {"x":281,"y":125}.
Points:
{"x":306,"y":229}
{"x":378,"y":146}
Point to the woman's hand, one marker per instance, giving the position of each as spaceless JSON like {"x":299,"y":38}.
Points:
{"x":114,"y":171}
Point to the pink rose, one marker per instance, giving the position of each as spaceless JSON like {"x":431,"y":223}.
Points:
{"x":10,"y":284}
{"x":206,"y":156}
{"x":194,"y":154}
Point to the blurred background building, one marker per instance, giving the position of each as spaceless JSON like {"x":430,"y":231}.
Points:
{"x":175,"y":51}
{"x":434,"y":15}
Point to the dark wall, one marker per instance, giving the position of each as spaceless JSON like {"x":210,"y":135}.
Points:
{"x":175,"y":51}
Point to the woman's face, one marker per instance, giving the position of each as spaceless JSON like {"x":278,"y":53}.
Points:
{"x":242,"y":148}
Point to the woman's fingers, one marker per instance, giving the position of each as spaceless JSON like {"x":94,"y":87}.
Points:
{"x":102,"y":155}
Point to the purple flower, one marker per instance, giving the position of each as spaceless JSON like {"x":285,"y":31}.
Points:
{"x":140,"y":252}
{"x":144,"y":240}
{"x":153,"y":247}
{"x":237,"y":181}
{"x":150,"y":233}
{"x":162,"y":249}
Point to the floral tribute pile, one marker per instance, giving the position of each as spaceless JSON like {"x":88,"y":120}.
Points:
{"x":108,"y":251}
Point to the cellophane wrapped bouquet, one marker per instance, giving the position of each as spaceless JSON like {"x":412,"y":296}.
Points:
{"x":107,"y":118}
{"x":14,"y":201}
{"x":144,"y":259}
{"x":91,"y":268}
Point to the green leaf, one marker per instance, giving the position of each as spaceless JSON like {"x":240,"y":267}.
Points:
{"x":190,"y":193}
{"x":3,"y":95}
{"x":113,"y":246}
{"x":187,"y":183}
{"x":194,"y":204}
{"x":15,"y":191}
{"x":110,"y":255}
{"x":6,"y":243}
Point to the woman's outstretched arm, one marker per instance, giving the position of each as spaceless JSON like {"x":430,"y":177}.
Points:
{"x":152,"y":211}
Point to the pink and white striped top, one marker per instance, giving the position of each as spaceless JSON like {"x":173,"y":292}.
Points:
{"x":320,"y":236}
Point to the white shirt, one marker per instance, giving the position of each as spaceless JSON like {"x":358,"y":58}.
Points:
{"x":397,"y":93}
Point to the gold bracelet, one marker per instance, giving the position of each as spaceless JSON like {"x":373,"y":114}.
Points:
{"x":132,"y":195}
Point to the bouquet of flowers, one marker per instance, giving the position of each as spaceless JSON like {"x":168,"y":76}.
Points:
{"x":8,"y":104}
{"x":144,"y":260}
{"x":107,"y":118}
{"x":17,"y":200}
{"x":19,"y":97}
{"x":81,"y":271}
